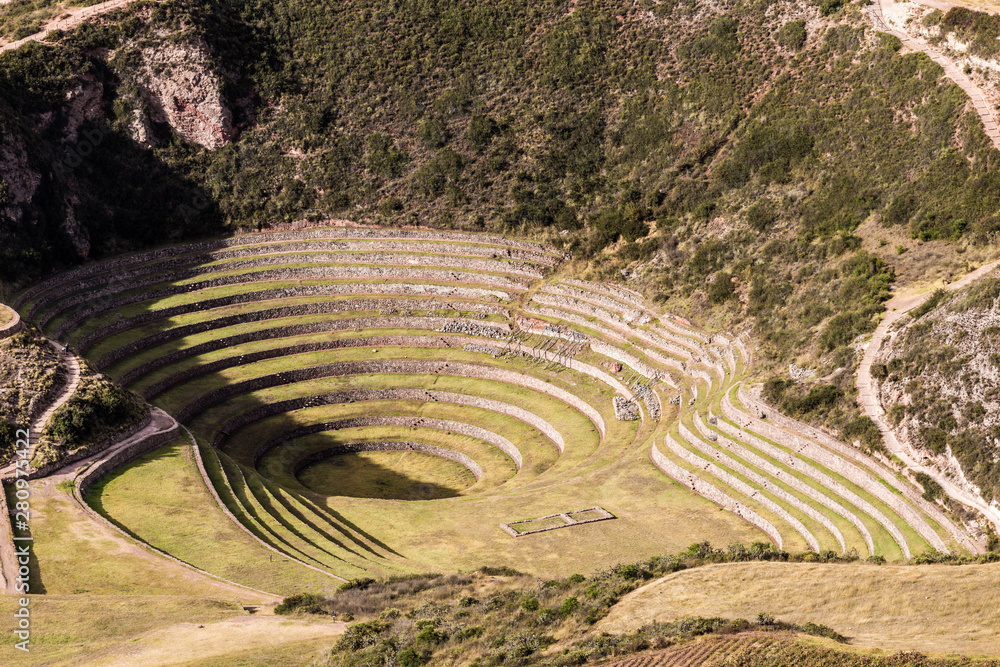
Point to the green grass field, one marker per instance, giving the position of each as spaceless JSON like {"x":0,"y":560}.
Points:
{"x":161,"y":499}
{"x":387,"y":475}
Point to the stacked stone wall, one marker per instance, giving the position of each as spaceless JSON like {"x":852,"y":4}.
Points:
{"x":790,"y":480}
{"x":122,"y":456}
{"x":201,"y":370}
{"x":764,"y":482}
{"x":710,"y":492}
{"x":740,"y":486}
{"x":825,"y":480}
{"x":620,"y":293}
{"x":121,"y":263}
{"x":499,"y":330}
{"x":755,"y":403}
{"x":388,"y":446}
{"x":294,"y":330}
{"x":87,"y":452}
{"x":465,"y":296}
{"x":329,"y":272}
{"x":398,"y":394}
{"x":627,"y":313}
{"x":843,"y":468}
{"x":479,"y":433}
{"x":409,"y":367}
{"x":12,"y":327}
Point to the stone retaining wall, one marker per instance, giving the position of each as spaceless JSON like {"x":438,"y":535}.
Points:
{"x":842,"y":467}
{"x":601,"y":515}
{"x":474,"y":329}
{"x":790,"y":480}
{"x":99,"y":469}
{"x":479,"y":433}
{"x":625,"y":410}
{"x":622,"y":294}
{"x":12,"y":327}
{"x":409,"y":367}
{"x":374,"y":251}
{"x":764,"y":482}
{"x":814,"y":473}
{"x":298,"y":291}
{"x":500,"y":330}
{"x":399,"y":394}
{"x":633,"y":362}
{"x":710,"y":492}
{"x":669,"y":323}
{"x":740,"y":486}
{"x":352,"y":273}
{"x":909,"y":492}
{"x":201,"y":370}
{"x":232,"y":517}
{"x":390,"y":446}
{"x":692,"y":346}
{"x":47,"y":470}
{"x":627,"y":313}
{"x":122,"y":263}
{"x":616,"y":353}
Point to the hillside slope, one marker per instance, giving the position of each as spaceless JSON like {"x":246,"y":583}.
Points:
{"x":725,"y":156}
{"x":937,"y":379}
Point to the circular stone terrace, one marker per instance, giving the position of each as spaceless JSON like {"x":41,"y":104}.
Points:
{"x":312,"y":366}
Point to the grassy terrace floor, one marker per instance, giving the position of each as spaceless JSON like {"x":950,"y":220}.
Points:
{"x":161,"y":499}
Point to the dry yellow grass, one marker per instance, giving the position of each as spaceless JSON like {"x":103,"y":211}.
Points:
{"x":937,"y":609}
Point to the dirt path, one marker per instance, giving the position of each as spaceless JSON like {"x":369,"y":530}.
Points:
{"x":896,"y":308}
{"x":69,"y":18}
{"x":185,"y":643}
{"x":951,"y":70}
{"x":72,"y":365}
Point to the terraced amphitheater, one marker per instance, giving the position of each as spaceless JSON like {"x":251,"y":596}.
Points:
{"x":371,"y":402}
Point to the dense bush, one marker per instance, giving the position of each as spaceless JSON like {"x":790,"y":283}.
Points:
{"x":98,"y":410}
{"x":306,"y":603}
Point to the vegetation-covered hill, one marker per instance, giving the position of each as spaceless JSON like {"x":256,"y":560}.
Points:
{"x":721,"y":156}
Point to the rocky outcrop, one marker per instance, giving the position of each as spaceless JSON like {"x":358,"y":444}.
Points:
{"x":19,"y":180}
{"x":180,"y":87}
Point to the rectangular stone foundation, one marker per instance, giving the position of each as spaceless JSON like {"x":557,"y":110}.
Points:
{"x":574,"y":518}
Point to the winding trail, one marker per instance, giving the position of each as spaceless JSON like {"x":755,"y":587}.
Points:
{"x":72,"y":382}
{"x":868,"y":397}
{"x":69,"y":18}
{"x":72,"y":365}
{"x":951,"y":70}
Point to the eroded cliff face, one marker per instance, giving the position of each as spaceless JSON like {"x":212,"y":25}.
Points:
{"x":180,"y":86}
{"x":59,"y":156}
{"x":20,"y":180}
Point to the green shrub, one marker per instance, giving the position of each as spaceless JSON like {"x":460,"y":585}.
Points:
{"x":722,"y":288}
{"x":411,"y":657}
{"x":482,"y":130}
{"x":932,"y":490}
{"x":360,"y":584}
{"x":866,"y":432}
{"x":568,"y":606}
{"x":384,"y":158}
{"x":433,"y":132}
{"x":362,"y":635}
{"x":306,"y":603}
{"x":792,"y":35}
